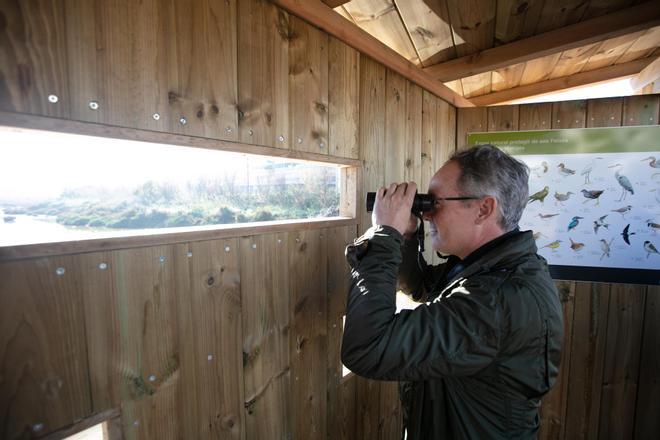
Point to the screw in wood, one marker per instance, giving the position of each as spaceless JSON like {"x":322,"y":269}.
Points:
{"x":250,"y":132}
{"x":60,"y":271}
{"x":299,"y":140}
{"x":152,"y":378}
{"x":254,"y":245}
{"x":156,"y":116}
{"x":189,"y":254}
{"x":103,"y":266}
{"x":53,"y":99}
{"x":37,"y":427}
{"x":280,"y":138}
{"x":227,"y":248}
{"x":183,"y":120}
{"x":94,"y":105}
{"x":209,"y":357}
{"x":162,"y":259}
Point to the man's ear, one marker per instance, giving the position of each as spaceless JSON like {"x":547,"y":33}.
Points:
{"x":487,"y":209}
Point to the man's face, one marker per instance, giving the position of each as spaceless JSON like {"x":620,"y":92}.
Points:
{"x":451,"y":223}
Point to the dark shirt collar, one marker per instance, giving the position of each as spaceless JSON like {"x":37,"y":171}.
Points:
{"x":459,"y":264}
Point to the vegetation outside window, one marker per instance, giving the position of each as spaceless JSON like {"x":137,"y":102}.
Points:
{"x":60,"y":187}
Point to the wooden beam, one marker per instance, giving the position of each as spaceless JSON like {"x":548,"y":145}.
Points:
{"x":650,"y":74}
{"x":334,"y":3}
{"x":563,"y":83}
{"x":320,"y":15}
{"x":636,"y":18}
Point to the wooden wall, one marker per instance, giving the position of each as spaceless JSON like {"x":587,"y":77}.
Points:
{"x":225,"y":338}
{"x":609,"y":383}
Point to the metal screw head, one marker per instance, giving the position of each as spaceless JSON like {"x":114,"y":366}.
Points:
{"x":183,"y":120}
{"x":254,"y":245}
{"x":250,"y":132}
{"x":37,"y":427}
{"x":279,"y":240}
{"x":228,"y":129}
{"x":209,"y":357}
{"x":53,"y":99}
{"x":322,"y":145}
{"x":162,"y":259}
{"x":156,"y":116}
{"x":60,"y":271}
{"x":152,"y":378}
{"x":297,"y":240}
{"x":227,"y":248}
{"x":103,"y":266}
{"x":189,"y":254}
{"x":299,"y":140}
{"x":280,"y":138}
{"x":136,"y":423}
{"x":94,"y":105}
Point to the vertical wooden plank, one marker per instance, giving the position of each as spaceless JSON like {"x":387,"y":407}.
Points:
{"x":470,"y":120}
{"x":130,"y":62}
{"x":202,"y":65}
{"x":553,"y":404}
{"x":503,"y":118}
{"x":341,"y":393}
{"x":265,"y":305}
{"x":263,"y":68}
{"x":535,"y":116}
{"x":84,"y":76}
{"x":429,"y":161}
{"x":45,"y":383}
{"x":587,"y":355}
{"x":395,"y":127}
{"x":569,"y":114}
{"x":604,"y":112}
{"x":215,"y":300}
{"x":343,"y":99}
{"x":33,"y":58}
{"x":372,"y":129}
{"x":621,"y":364}
{"x":647,"y":422}
{"x":413,"y":136}
{"x":101,"y":329}
{"x":368,"y":399}
{"x":309,"y":337}
{"x":391,"y":418}
{"x":308,"y":87}
{"x":641,"y":110}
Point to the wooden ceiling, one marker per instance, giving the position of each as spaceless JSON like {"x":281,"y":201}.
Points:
{"x":494,"y":51}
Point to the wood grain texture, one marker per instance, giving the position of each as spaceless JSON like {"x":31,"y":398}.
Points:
{"x":413,"y":136}
{"x":266,"y":341}
{"x":503,"y":118}
{"x":535,"y":116}
{"x":396,"y":98}
{"x":308,"y":87}
{"x":648,"y":392}
{"x":45,"y":380}
{"x":343,"y":99}
{"x":309,"y":333}
{"x":587,"y":355}
{"x":342,"y":408}
{"x":470,"y":121}
{"x":202,"y":67}
{"x":368,"y":408}
{"x":604,"y":112}
{"x":263,"y":67}
{"x":381,"y":19}
{"x":33,"y":57}
{"x":372,"y":130}
{"x":621,"y":362}
{"x":641,"y":110}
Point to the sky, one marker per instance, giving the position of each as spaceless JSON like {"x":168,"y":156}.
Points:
{"x":40,"y":164}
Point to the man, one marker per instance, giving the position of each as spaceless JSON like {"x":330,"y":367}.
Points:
{"x":484,"y":348}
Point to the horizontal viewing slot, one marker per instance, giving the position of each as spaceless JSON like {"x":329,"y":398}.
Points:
{"x":63,"y":188}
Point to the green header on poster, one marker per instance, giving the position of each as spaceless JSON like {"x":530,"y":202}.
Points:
{"x":572,"y":141}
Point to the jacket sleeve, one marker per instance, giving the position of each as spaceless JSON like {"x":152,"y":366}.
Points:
{"x":456,"y":335}
{"x":417,"y":278}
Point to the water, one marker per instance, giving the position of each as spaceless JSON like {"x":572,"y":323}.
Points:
{"x":29,"y":229}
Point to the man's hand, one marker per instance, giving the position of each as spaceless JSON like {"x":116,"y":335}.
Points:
{"x":392,"y":206}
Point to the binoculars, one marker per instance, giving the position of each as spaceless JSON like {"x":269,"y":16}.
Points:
{"x":421,"y":203}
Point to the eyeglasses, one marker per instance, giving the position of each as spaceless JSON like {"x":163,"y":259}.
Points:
{"x":449,"y":199}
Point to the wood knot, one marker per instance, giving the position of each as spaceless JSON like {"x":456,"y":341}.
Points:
{"x":210,"y":280}
{"x":215,"y":110}
{"x":320,"y":107}
{"x":200,"y":113}
{"x":408,"y":163}
{"x":172,"y":97}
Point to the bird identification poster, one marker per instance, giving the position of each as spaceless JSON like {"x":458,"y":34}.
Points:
{"x":594,"y":202}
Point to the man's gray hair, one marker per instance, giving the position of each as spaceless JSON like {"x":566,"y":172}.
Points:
{"x":487,"y":170}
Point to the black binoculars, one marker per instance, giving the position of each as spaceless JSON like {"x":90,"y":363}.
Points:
{"x":421,"y":203}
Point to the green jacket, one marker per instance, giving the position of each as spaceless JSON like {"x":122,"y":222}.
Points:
{"x":477,"y":357}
